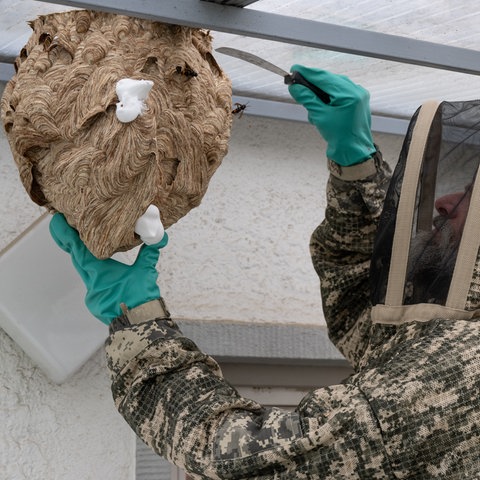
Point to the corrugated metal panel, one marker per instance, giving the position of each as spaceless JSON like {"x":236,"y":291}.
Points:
{"x":150,"y":466}
{"x":397,"y":89}
{"x":440,"y":21}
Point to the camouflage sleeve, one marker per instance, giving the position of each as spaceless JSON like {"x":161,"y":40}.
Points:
{"x":175,"y":399}
{"x":341,"y":249}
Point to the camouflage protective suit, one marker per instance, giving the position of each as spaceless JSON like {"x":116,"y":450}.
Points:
{"x":411,"y":410}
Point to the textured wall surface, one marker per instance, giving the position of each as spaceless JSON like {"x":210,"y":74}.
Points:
{"x":242,"y":255}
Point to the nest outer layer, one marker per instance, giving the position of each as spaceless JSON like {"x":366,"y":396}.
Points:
{"x":75,"y":157}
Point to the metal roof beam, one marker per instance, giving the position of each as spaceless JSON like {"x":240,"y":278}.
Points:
{"x":252,"y":23}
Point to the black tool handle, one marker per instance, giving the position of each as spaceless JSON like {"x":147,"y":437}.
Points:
{"x":297,"y":77}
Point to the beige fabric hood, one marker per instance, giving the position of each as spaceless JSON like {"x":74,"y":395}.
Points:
{"x":425,"y":263}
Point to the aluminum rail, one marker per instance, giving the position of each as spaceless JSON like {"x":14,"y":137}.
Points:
{"x":293,"y":112}
{"x":281,"y":28}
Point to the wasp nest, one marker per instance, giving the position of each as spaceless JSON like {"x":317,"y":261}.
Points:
{"x":79,"y":148}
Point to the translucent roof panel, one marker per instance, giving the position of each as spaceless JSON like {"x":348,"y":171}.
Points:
{"x":397,"y":89}
{"x":440,"y":21}
{"x":380,"y":44}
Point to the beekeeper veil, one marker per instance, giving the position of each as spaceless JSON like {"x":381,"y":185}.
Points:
{"x":425,"y":263}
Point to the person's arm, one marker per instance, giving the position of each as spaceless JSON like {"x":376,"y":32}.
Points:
{"x":176,"y":400}
{"x":341,"y":246}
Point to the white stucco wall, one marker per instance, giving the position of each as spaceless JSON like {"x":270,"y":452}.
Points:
{"x":242,"y":255}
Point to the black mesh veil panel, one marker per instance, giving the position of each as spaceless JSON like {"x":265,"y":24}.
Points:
{"x":449,"y":163}
{"x":386,"y":229}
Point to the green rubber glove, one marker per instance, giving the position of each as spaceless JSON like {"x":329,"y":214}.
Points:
{"x":110,"y":283}
{"x":345,"y":122}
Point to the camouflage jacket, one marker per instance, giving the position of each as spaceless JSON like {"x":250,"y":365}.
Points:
{"x":411,"y":410}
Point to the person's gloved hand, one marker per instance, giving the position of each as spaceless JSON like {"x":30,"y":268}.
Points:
{"x":345,"y":122}
{"x":110,"y":283}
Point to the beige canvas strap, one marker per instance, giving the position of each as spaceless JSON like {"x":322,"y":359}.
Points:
{"x":148,"y":311}
{"x":420,"y":312}
{"x":406,"y":206}
{"x":353,"y":172}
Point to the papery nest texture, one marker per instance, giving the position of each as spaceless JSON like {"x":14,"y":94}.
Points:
{"x":73,"y":154}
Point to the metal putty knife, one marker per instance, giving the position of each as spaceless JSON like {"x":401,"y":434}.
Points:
{"x":289,"y":78}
